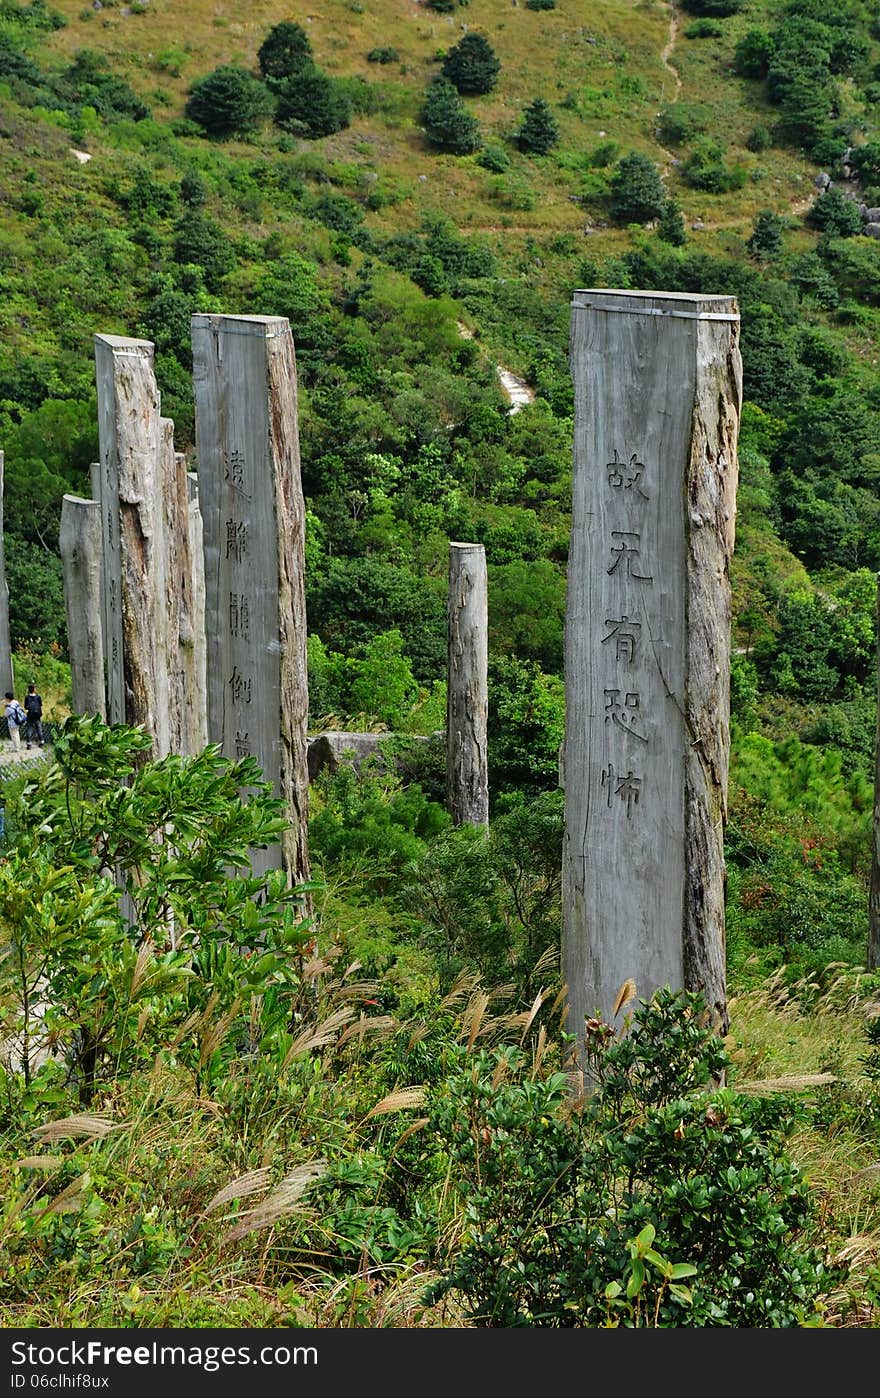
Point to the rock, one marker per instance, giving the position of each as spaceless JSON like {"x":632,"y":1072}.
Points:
{"x":872,"y":230}
{"x":822,"y":180}
{"x":328,"y":751}
{"x":698,"y":225}
{"x":871,"y":215}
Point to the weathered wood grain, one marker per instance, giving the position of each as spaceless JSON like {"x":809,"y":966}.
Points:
{"x":82,"y":564}
{"x":253,"y":518}
{"x":657,"y":381}
{"x":467,"y":706}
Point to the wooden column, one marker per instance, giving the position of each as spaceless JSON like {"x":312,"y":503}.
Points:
{"x":253,"y":517}
{"x":80,"y":546}
{"x":657,"y":380}
{"x":467,"y":686}
{"x":135,"y":622}
{"x":873,"y":960}
{"x":6,"y":676}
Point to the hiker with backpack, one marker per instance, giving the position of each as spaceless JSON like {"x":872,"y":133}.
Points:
{"x":33,"y":704}
{"x":15,"y":718}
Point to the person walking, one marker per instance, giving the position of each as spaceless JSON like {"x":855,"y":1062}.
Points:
{"x":15,"y":718}
{"x":34,"y":709}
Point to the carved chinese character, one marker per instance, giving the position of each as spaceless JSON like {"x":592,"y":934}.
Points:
{"x":623,"y":715}
{"x":242,"y":744}
{"x":240,"y":686}
{"x":111,"y":594}
{"x":626,"y":787}
{"x":235,"y":466}
{"x":239,"y":615}
{"x":623,"y":634}
{"x":236,"y":540}
{"x":626,"y":474}
{"x":629,"y":552}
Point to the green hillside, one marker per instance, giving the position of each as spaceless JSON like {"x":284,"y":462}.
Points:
{"x":158,"y":159}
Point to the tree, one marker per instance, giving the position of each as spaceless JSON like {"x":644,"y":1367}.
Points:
{"x":751,"y":57}
{"x":448,"y":123}
{"x":765,"y":242}
{"x":229,"y":102}
{"x":472,"y":66}
{"x":199,"y":241}
{"x":539,"y":130}
{"x":285,"y":51}
{"x":835,"y":214}
{"x":311,"y":104}
{"x":637,"y":192}
{"x":671,"y":225}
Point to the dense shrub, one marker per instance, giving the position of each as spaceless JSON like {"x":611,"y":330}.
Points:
{"x":472,"y":66}
{"x":637,"y":191}
{"x":448,"y":123}
{"x":312,"y":104}
{"x":539,"y":130}
{"x":285,"y":51}
{"x":229,"y":102}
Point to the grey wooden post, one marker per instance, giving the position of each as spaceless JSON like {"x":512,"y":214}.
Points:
{"x":183,"y":605}
{"x":6,"y":667}
{"x":253,"y":517}
{"x":80,"y":546}
{"x":657,"y":379}
{"x":873,"y":960}
{"x":467,"y":704}
{"x":197,"y":566}
{"x":135,"y":625}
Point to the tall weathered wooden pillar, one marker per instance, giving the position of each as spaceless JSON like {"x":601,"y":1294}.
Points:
{"x":467,"y":706}
{"x":873,"y":959}
{"x":6,"y":677}
{"x":197,"y":561}
{"x":253,"y":518}
{"x":129,"y":434}
{"x":82,"y":563}
{"x":183,"y":605}
{"x":657,"y":379}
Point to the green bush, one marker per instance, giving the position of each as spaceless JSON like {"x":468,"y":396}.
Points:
{"x":448,"y":123}
{"x":472,"y":65}
{"x":312,"y":104}
{"x":704,"y":29}
{"x":229,"y":102}
{"x":539,"y":129}
{"x":285,"y":52}
{"x":597,"y":1216}
{"x":637,"y":191}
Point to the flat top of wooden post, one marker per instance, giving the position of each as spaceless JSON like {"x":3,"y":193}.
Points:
{"x":685,"y":305}
{"x":454,"y":545}
{"x":124,"y":344}
{"x":243,"y":325}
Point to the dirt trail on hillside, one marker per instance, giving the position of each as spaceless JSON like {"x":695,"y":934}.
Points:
{"x":666,"y":55}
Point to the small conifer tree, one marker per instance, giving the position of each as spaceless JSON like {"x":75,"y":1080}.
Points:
{"x":539,"y":130}
{"x":448,"y":123}
{"x":472,"y":66}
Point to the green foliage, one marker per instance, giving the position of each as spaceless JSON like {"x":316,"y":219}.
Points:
{"x":719,"y":8}
{"x":230,"y":101}
{"x":752,"y":55}
{"x":759,"y":140}
{"x":637,"y":191}
{"x":680,"y":122}
{"x":105,"y":987}
{"x":539,"y":129}
{"x":526,"y":726}
{"x":704,"y":29}
{"x":448,"y":124}
{"x":564,"y":1207}
{"x":199,"y":241}
{"x":384,"y":54}
{"x":285,"y":52}
{"x":835,"y":214}
{"x":472,"y":65}
{"x":705,"y":169}
{"x":765,"y":241}
{"x":312,"y":104}
{"x":36,"y":589}
{"x":369,"y":822}
{"x":670,"y":226}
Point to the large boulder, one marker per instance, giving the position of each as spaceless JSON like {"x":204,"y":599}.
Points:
{"x":328,"y":751}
